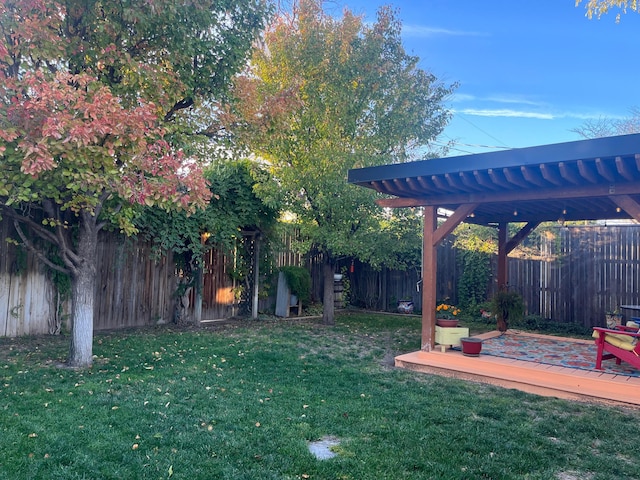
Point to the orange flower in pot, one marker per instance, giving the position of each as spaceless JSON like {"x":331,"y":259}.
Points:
{"x":446,"y":315}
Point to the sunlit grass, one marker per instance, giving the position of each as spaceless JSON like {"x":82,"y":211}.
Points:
{"x":242,"y":402}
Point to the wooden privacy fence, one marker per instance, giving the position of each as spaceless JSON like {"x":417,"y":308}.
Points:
{"x":576,"y":275}
{"x":381,"y":289}
{"x":582,"y":273}
{"x":27,"y":296}
{"x":134,"y":287}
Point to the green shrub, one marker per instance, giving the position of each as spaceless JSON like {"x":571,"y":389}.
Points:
{"x":507,"y":306}
{"x":299,"y":281}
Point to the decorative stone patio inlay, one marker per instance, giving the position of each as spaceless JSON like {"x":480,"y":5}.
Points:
{"x":322,"y":448}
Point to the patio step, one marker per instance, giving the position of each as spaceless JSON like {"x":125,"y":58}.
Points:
{"x":531,"y":377}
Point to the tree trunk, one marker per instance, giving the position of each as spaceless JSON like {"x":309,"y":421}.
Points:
{"x":328,"y":307}
{"x":83,"y":288}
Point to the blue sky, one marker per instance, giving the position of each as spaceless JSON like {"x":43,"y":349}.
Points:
{"x":528,"y":72}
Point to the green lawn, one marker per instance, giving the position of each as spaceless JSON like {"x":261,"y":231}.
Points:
{"x":242,"y":402}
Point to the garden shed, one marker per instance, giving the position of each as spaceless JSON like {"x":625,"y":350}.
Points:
{"x":582,"y":180}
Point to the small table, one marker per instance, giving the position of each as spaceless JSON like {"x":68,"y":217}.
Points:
{"x":632,"y":307}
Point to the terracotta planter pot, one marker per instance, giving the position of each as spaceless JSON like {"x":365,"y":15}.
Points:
{"x":471,"y":346}
{"x":447,"y":322}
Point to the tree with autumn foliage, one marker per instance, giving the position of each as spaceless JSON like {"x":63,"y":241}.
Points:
{"x":602,"y":7}
{"x":324,"y":95}
{"x":96,"y":106}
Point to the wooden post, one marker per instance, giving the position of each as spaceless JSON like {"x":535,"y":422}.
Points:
{"x":256,"y":276}
{"x":199,"y":284}
{"x":429,"y":275}
{"x":502,"y":255}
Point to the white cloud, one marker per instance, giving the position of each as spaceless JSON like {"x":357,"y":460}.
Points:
{"x":423,"y":31}
{"x":511,"y":99}
{"x":512,"y":113}
{"x":592,"y":116}
{"x":462,"y":97}
{"x":505,"y":112}
{"x":521,"y":106}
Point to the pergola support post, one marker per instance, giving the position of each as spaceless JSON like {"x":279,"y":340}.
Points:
{"x":429,"y":276}
{"x":432,"y":237}
{"x":502,"y":254}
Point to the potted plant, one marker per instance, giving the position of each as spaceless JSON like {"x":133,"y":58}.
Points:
{"x":405,"y":306}
{"x":613,"y":318}
{"x":507,"y":306}
{"x":446,"y":315}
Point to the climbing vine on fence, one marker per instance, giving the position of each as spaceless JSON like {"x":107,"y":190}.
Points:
{"x":475,"y":246}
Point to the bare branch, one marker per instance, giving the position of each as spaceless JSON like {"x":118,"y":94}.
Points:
{"x":56,"y":238}
{"x":101,"y":199}
{"x":181,"y":105}
{"x":39,"y":229}
{"x":41,"y":256}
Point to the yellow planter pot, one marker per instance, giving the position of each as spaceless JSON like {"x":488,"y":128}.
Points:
{"x":450,"y":335}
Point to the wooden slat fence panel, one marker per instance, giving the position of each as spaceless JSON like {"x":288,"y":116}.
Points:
{"x":382,"y":289}
{"x":584,"y":272}
{"x":218,"y":289}
{"x":135,"y":285}
{"x":26,"y":294}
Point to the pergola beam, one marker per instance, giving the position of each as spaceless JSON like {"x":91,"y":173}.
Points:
{"x":513,"y":195}
{"x":506,"y":246}
{"x":520,"y":236}
{"x":452,"y":222}
{"x":628,"y":204}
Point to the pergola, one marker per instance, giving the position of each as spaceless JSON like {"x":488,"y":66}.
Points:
{"x":583,"y":180}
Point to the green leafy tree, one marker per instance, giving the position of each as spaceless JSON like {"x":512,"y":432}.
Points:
{"x":324,"y":96}
{"x":96,"y":109}
{"x":233,"y":207}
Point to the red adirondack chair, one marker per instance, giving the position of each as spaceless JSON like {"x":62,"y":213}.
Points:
{"x":621,"y":343}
